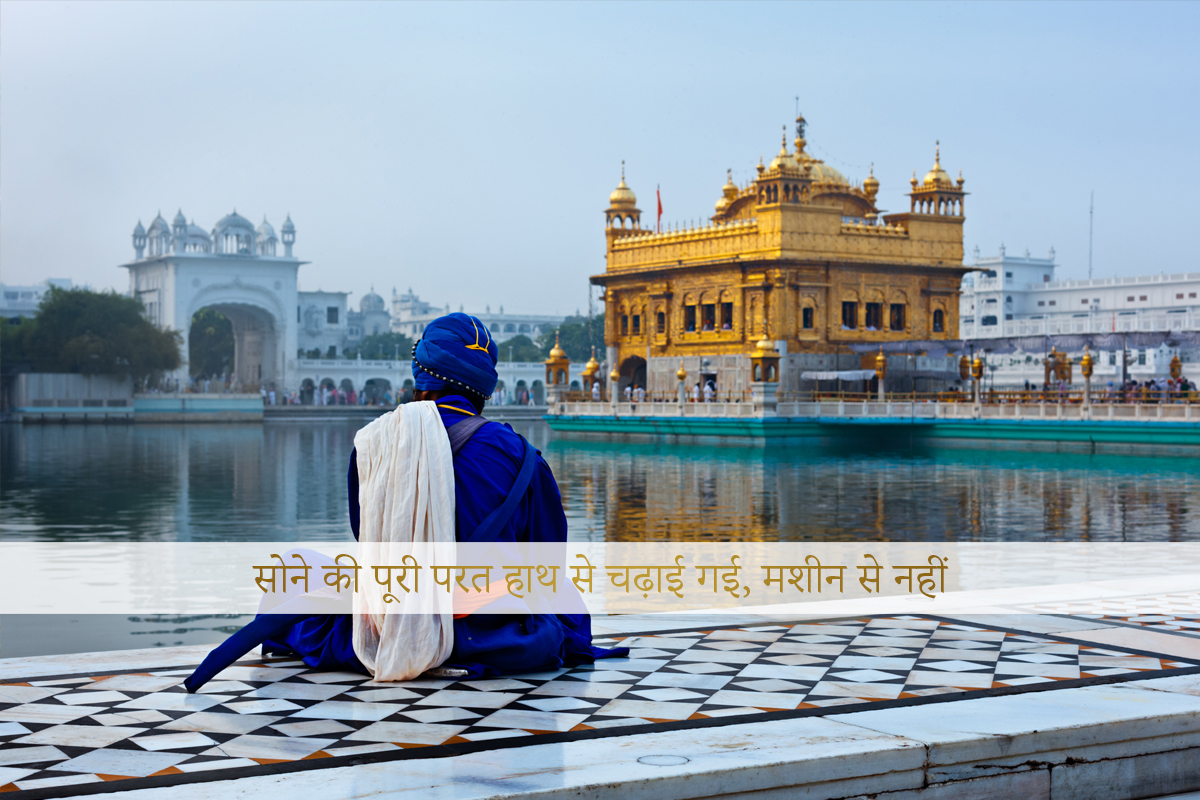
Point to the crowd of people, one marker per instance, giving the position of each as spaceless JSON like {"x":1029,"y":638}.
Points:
{"x":1162,"y":390}
{"x":705,"y":392}
{"x":1152,"y":390}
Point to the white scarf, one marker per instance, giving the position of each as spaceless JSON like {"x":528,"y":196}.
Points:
{"x":405,"y":497}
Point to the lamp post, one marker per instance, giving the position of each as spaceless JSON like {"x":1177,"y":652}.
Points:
{"x":976,"y":376}
{"x":1086,"y":366}
{"x":881,"y":371}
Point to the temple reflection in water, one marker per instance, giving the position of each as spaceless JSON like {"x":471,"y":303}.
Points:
{"x":660,"y":493}
{"x":283,"y":482}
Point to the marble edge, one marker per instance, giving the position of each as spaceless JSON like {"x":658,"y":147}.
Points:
{"x":755,"y":756}
{"x":141,"y":660}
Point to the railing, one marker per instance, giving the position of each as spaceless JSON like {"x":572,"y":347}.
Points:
{"x":1100,"y":395}
{"x":656,"y":397}
{"x":928,"y":407}
{"x":1102,"y":321}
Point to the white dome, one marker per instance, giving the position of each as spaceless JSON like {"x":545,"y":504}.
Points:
{"x":371,"y":302}
{"x":265,"y":231}
{"x":180,"y":219}
{"x":234,"y":222}
{"x":139,"y":230}
{"x":159,"y":226}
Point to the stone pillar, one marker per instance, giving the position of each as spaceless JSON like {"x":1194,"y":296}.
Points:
{"x":763,"y":397}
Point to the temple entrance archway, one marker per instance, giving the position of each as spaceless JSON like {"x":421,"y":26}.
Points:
{"x":633,"y":373}
{"x":256,"y":360}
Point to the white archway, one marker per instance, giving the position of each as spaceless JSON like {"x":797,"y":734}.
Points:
{"x":258,"y":326}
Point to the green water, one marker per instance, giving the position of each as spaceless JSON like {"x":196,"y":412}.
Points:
{"x":286,"y":482}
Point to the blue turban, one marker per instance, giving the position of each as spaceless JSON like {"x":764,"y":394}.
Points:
{"x":455,"y":352}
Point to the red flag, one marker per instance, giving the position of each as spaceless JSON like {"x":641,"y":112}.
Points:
{"x":658,"y":195}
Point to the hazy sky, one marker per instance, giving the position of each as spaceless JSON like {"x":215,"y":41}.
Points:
{"x":468,"y":150}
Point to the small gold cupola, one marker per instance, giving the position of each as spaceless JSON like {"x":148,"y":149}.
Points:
{"x":622,"y":212}
{"x":937,"y":195}
{"x":729,"y":192}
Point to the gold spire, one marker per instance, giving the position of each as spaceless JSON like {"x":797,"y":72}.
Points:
{"x":557,"y":351}
{"x":937,"y":176}
{"x":730,"y":188}
{"x":784,"y":159}
{"x":622,"y":196}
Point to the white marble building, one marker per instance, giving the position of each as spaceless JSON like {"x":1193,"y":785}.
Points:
{"x":410,"y":315}
{"x":284,"y":338}
{"x":371,"y":318}
{"x":23,"y":301}
{"x":377,"y":376}
{"x":1018,"y":296}
{"x":237,"y":269}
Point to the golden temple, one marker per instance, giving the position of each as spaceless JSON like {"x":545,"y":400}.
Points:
{"x":799,"y":255}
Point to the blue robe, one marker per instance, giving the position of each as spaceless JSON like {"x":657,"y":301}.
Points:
{"x":484,"y":644}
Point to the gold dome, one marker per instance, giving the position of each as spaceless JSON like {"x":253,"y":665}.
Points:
{"x":819,"y":171}
{"x":730,"y":189}
{"x":614,"y":375}
{"x":681,"y":373}
{"x":823,"y":173}
{"x":591,"y":367}
{"x":622,"y":196}
{"x":937,"y":176}
{"x":729,"y":192}
{"x":871,"y":184}
{"x":557,"y":352}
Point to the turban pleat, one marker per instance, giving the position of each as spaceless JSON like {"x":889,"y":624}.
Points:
{"x":456,"y":351}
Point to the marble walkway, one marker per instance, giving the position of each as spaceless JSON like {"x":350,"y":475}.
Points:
{"x":126,"y":724}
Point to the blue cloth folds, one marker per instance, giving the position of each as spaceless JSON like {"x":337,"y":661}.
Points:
{"x":456,"y":347}
{"x":485,"y":645}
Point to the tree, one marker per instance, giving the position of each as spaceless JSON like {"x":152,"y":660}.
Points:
{"x":97,"y":333}
{"x":210,"y":344}
{"x":384,"y":347}
{"x":574,"y":337}
{"x":520,"y":348}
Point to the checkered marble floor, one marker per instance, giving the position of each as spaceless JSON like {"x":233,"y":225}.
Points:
{"x":77,"y":734}
{"x":1177,"y":613}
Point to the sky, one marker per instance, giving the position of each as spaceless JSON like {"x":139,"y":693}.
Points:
{"x":467,"y":150}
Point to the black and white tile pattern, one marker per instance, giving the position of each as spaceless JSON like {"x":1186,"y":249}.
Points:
{"x":57,"y":735}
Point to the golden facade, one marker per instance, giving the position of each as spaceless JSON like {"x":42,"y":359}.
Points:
{"x":800,"y":255}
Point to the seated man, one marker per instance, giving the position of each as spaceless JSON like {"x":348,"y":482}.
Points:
{"x":454,"y":366}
